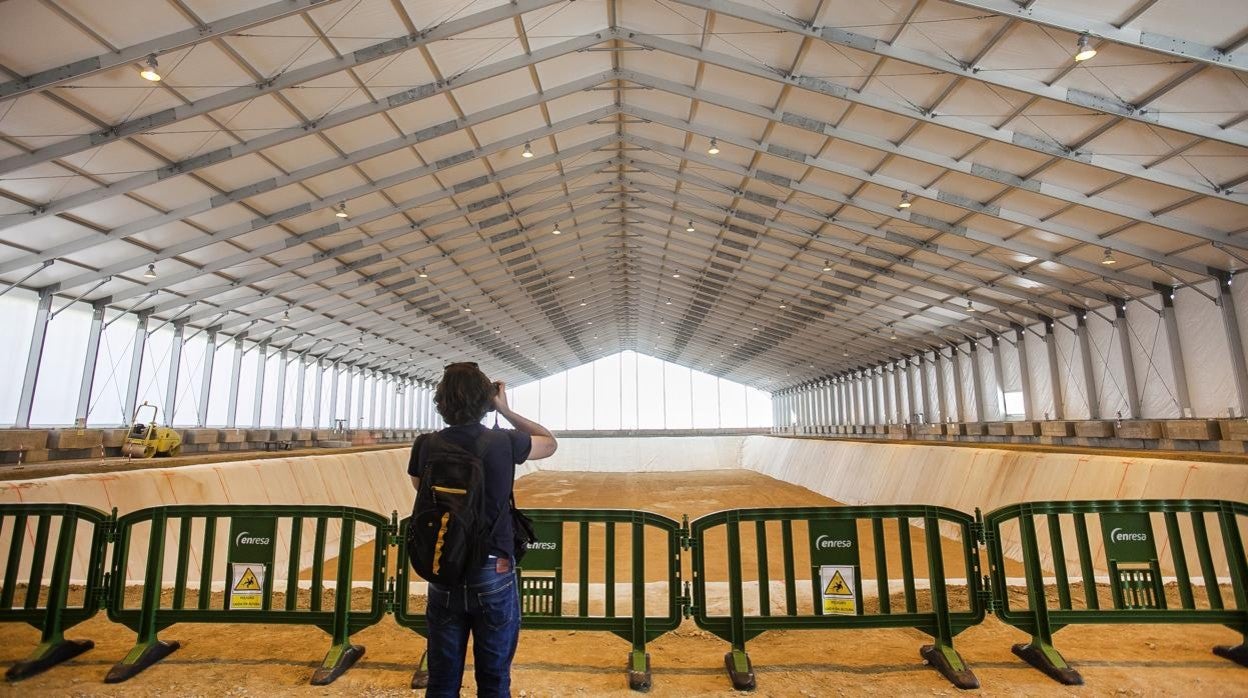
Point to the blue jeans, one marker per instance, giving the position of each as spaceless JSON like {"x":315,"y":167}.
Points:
{"x":488,"y":608}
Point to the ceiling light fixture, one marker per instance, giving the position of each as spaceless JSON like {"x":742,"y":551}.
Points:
{"x":1108,"y":259}
{"x":583,"y":304}
{"x":467,"y":308}
{"x":905,"y":200}
{"x":286,"y":315}
{"x":676,"y":274}
{"x":572,"y":275}
{"x":893,"y":333}
{"x":341,"y":211}
{"x":359,"y":342}
{"x":690,"y":228}
{"x":151,"y":72}
{"x":528,"y":151}
{"x":827,"y":265}
{"x":556,"y":231}
{"x":423,"y":274}
{"x":970,"y":307}
{"x":782,"y":305}
{"x":151,"y":272}
{"x":1084,"y":49}
{"x":714,"y":149}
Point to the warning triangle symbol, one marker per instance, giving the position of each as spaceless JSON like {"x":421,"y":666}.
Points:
{"x":836,"y":587}
{"x":248,"y":582}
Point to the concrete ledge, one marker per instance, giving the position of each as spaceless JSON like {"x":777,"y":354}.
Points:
{"x":929,"y":429}
{"x":230,"y":436}
{"x":323,"y":434}
{"x":1058,"y":429}
{"x":259,"y":436}
{"x":23,"y":439}
{"x":1234,"y":429}
{"x":1025,"y":428}
{"x":114,"y":438}
{"x":1192,"y":429}
{"x":1138,"y":429}
{"x":302,"y":435}
{"x":998,"y":429}
{"x":200,"y":436}
{"x":1094,"y":429}
{"x":76,"y":439}
{"x":973,"y":428}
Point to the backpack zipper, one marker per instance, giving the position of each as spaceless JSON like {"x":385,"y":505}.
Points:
{"x":449,"y":490}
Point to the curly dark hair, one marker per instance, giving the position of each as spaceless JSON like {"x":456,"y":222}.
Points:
{"x":464,"y":394}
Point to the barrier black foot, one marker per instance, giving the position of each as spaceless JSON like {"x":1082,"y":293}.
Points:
{"x":339,"y":659}
{"x":639,"y":670}
{"x":1237,"y":654}
{"x":1047,"y":659}
{"x":47,"y":656}
{"x":739,"y":670}
{"x":949,"y":663}
{"x":420,"y":679}
{"x":140,"y":658}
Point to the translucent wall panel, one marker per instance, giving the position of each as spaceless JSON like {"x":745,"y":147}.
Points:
{"x":732,"y":402}
{"x":524,"y":400}
{"x":628,"y":390}
{"x":327,"y":387}
{"x":988,"y":378}
{"x":1074,"y":392}
{"x":290,"y":397}
{"x":268,"y":405}
{"x":580,"y":397}
{"x":1151,"y":355}
{"x":1107,"y":368}
{"x":650,"y":403}
{"x":1206,"y":356}
{"x":965,"y":367}
{"x":607,"y":394}
{"x":190,"y":380}
{"x":60,"y":372}
{"x":705,"y":400}
{"x":17,"y":316}
{"x":309,"y":394}
{"x":554,"y":412}
{"x":951,"y":388}
{"x":678,"y":397}
{"x":108,"y":392}
{"x":219,"y":396}
{"x":154,"y":376}
{"x":1038,"y":371}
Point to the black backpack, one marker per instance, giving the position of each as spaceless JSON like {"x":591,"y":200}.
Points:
{"x":449,"y":533}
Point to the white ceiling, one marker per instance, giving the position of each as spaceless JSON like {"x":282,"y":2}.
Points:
{"x":1023,"y":166}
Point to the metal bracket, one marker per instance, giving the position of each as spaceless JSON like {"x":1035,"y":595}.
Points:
{"x":686,"y":538}
{"x":685,"y":601}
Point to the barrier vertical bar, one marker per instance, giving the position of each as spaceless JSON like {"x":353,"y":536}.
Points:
{"x":1182,"y":578}
{"x":1085,"y":562}
{"x":1206,"y":560}
{"x":149,"y":649}
{"x":1040,"y":652}
{"x":1059,"y":560}
{"x":205,"y":566}
{"x":638,"y":658}
{"x":764,"y":592}
{"x":318,"y":563}
{"x":736,"y":660}
{"x":582,"y":579}
{"x":53,"y":648}
{"x":609,"y":571}
{"x":941,"y":654}
{"x":292,"y":568}
{"x":184,"y":549}
{"x":38,"y":555}
{"x":15,"y":558}
{"x":790,"y":586}
{"x":907,"y":563}
{"x":342,"y":654}
{"x":881,"y":565}
{"x":1238,"y":568}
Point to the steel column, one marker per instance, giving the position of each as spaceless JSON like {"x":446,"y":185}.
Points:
{"x":1128,"y":360}
{"x":1085,"y":358}
{"x":1055,"y":369}
{"x":231,"y":417}
{"x":911,"y":394}
{"x":958,"y":398}
{"x":1234,"y":342}
{"x":34,"y":357}
{"x":977,"y":382}
{"x":372,"y":402}
{"x":205,"y":381}
{"x":998,"y":371}
{"x":333,"y":394}
{"x":346,"y":397}
{"x":1024,"y":371}
{"x":262,"y":360}
{"x":300,"y":383}
{"x":175,"y":366}
{"x":83,"y":409}
{"x":941,"y":386}
{"x":359,"y":398}
{"x":136,"y":366}
{"x":318,"y":386}
{"x":927,"y":393}
{"x":1181,"y":392}
{"x":898,"y":403}
{"x":279,"y":416}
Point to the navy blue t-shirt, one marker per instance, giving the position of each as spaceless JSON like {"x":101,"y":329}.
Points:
{"x":507,"y":448}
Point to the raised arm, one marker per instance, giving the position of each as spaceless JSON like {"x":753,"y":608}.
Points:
{"x":544,"y":443}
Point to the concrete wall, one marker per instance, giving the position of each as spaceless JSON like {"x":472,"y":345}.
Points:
{"x":965,"y":478}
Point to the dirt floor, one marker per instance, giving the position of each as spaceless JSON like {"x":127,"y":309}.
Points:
{"x":237,"y":660}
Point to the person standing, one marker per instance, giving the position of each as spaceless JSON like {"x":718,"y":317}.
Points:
{"x":486,"y":606}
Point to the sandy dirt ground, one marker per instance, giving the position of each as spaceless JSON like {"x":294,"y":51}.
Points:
{"x":255,"y":660}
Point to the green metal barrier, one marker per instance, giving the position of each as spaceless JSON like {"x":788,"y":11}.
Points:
{"x":837,"y":578}
{"x":543,"y":573}
{"x":248,"y":572}
{"x":1130,"y":551}
{"x":18,"y":522}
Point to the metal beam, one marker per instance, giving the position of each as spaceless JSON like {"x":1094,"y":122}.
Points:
{"x":236,"y":370}
{"x":1068,"y":96}
{"x":1175,"y":343}
{"x":1024,"y":372}
{"x":1123,"y":330}
{"x":42,"y":80}
{"x":205,"y":381}
{"x":1055,"y":370}
{"x":136,"y":366}
{"x":175,"y":365}
{"x":308,"y":73}
{"x":1234,"y":343}
{"x":83,"y":410}
{"x":1184,"y":49}
{"x":1085,"y":357}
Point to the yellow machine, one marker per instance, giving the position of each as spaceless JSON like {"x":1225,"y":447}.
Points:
{"x":149,"y":440}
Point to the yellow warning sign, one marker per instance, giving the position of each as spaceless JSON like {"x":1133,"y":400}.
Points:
{"x":836,"y":586}
{"x":839,"y":597}
{"x":247,"y":591}
{"x":248,"y":582}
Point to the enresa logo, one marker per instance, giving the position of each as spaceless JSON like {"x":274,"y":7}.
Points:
{"x":543,"y":545}
{"x":1120,"y":536}
{"x":826,"y":543}
{"x":245,"y":538}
